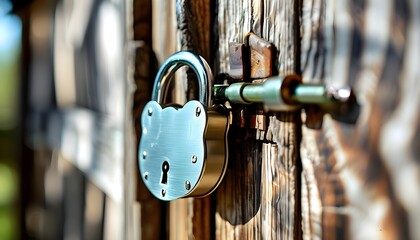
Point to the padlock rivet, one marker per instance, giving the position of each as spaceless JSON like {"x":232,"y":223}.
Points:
{"x":163,"y":192}
{"x":146,"y":175}
{"x":144,"y":154}
{"x":197,"y":111}
{"x":187,"y":185}
{"x":150,"y":111}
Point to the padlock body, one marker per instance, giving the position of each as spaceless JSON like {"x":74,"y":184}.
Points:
{"x":216,"y":160}
{"x":175,"y":158}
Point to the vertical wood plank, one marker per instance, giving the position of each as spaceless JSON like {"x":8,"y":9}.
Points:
{"x":164,"y":25}
{"x":355,"y":177}
{"x":257,"y":198}
{"x":238,"y":196}
{"x":233,"y":22}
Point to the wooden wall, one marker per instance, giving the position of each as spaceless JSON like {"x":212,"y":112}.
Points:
{"x":343,"y":181}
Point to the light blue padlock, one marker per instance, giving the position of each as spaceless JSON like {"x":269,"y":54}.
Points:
{"x":183,"y":149}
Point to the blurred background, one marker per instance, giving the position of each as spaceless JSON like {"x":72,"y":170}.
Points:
{"x":76,"y":107}
{"x":14,"y":154}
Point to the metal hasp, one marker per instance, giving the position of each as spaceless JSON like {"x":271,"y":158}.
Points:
{"x":183,"y":149}
{"x":289,"y":94}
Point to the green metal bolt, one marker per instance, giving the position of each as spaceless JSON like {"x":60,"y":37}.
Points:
{"x":288,"y":94}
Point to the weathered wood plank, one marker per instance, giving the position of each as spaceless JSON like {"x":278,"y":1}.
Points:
{"x":238,"y":196}
{"x":355,"y":178}
{"x":257,"y":198}
{"x":233,"y":22}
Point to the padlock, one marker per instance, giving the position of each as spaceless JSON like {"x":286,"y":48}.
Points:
{"x":183,"y":149}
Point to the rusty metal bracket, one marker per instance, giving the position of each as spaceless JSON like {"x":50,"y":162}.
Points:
{"x":253,"y":59}
{"x":262,"y":55}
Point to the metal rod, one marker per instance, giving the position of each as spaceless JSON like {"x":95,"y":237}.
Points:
{"x":253,"y":93}
{"x":286,"y":94}
{"x":311,"y":94}
{"x":271,"y":94}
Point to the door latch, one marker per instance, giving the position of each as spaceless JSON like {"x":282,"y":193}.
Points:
{"x":289,"y":94}
{"x":255,"y":60}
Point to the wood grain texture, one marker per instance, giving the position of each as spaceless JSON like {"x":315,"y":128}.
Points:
{"x":258,"y":197}
{"x":193,"y":24}
{"x":233,"y":22}
{"x":362,"y":181}
{"x":193,"y":21}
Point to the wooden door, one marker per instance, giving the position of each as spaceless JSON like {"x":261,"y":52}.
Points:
{"x":357,"y":181}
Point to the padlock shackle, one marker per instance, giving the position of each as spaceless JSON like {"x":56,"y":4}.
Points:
{"x":173,"y":63}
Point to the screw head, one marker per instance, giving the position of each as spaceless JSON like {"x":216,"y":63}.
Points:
{"x":163,"y":192}
{"x":146,"y":175}
{"x":150,"y":111}
{"x":194,"y":159}
{"x":144,"y":154}
{"x":187,"y":185}
{"x":197,"y":111}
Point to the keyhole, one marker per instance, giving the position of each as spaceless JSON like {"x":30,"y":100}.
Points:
{"x":165,"y":169}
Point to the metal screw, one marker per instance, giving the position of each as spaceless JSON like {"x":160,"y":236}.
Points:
{"x":150,"y":111}
{"x":194,"y":159}
{"x":163,"y":192}
{"x":197,"y":111}
{"x":146,"y":175}
{"x":144,"y":154}
{"x":187,"y":185}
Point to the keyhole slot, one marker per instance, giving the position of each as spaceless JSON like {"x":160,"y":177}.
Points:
{"x":165,"y":170}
